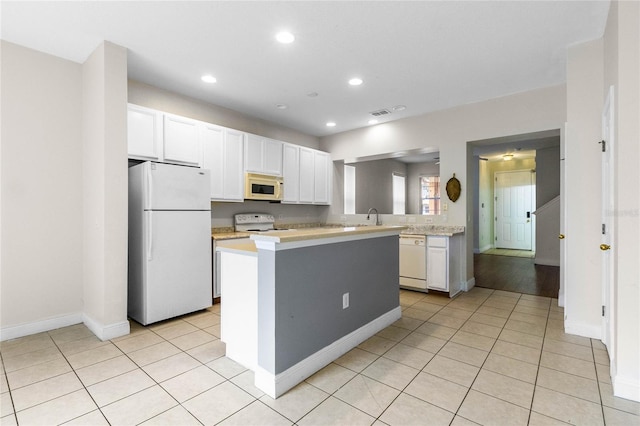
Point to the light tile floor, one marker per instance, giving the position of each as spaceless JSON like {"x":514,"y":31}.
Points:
{"x":486,"y":357}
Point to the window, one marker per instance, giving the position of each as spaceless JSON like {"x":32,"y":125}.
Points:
{"x":399,"y":194}
{"x":430,"y":194}
{"x":349,"y":189}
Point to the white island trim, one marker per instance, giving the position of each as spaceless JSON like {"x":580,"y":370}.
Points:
{"x":276,"y":385}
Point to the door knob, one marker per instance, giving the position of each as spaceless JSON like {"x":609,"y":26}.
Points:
{"x":561,"y":236}
{"x":604,"y":247}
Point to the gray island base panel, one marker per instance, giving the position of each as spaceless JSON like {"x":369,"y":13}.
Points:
{"x":292,"y":307}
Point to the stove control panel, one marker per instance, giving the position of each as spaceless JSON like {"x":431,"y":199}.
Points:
{"x":245,"y":218}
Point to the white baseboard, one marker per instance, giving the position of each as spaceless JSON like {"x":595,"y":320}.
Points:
{"x":584,"y":330}
{"x":469,"y":284}
{"x":546,"y":261}
{"x":106,"y":332}
{"x":13,"y":332}
{"x":276,"y":385}
{"x":483,"y":249}
{"x":626,"y":387}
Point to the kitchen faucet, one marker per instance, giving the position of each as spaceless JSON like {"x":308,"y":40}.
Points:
{"x":369,"y":214}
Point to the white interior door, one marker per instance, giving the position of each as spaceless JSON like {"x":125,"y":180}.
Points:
{"x":514,"y":195}
{"x":563,"y":217}
{"x":607,"y":246}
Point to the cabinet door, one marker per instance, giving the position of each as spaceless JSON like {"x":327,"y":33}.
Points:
{"x":213,"y":158}
{"x":253,"y":153}
{"x":307,"y":175}
{"x":322,"y":173}
{"x":144,"y":133}
{"x":181,"y":143}
{"x":222,"y":155}
{"x":272,"y":157}
{"x":291,"y":173}
{"x":233,"y":161}
{"x":437,"y":264}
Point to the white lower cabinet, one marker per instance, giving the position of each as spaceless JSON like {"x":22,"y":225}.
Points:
{"x":438,"y":263}
{"x":444,"y":261}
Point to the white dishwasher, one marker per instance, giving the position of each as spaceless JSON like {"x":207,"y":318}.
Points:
{"x":413,"y":262}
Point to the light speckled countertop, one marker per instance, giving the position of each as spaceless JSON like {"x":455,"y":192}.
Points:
{"x":442,"y":230}
{"x":293,"y":235}
{"x":238,"y":245}
{"x":296,"y":233}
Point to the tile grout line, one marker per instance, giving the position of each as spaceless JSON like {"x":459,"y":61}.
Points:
{"x":535,"y":384}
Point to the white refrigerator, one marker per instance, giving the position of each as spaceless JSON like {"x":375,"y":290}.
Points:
{"x":169,"y":241}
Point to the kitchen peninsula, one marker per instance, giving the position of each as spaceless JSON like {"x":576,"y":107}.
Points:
{"x":295,"y":300}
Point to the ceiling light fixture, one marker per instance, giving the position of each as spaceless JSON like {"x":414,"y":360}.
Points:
{"x":373,"y":121}
{"x":312,"y":94}
{"x":399,"y":108}
{"x":208,"y":78}
{"x":285,"y":37}
{"x":331,"y":124}
{"x":355,"y":81}
{"x":281,"y":106}
{"x":507,"y":157}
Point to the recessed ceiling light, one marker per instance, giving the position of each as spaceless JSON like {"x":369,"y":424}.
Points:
{"x":355,"y":81}
{"x":507,"y":157}
{"x":312,"y":94}
{"x":285,"y":37}
{"x":399,"y":108}
{"x":208,"y":78}
{"x":281,"y":106}
{"x":331,"y":124}
{"x":373,"y":121}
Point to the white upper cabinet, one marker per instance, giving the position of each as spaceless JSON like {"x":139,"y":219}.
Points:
{"x":323,"y":173}
{"x":181,"y":140}
{"x":157,"y":136}
{"x":307,"y":175}
{"x":315,"y":175}
{"x":222,"y":154}
{"x":291,"y":173}
{"x":154,"y":135}
{"x":263,"y":155}
{"x":144,"y":133}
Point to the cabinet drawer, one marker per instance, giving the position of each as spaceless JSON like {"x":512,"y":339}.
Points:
{"x":437,"y":242}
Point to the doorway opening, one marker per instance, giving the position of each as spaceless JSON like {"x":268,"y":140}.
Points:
{"x":538,"y":152}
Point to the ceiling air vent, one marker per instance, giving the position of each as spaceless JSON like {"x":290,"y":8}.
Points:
{"x":380,"y":112}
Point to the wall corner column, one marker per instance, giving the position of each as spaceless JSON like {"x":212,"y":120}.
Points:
{"x":104,"y":135}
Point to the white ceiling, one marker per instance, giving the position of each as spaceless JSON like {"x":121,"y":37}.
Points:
{"x":426,"y":55}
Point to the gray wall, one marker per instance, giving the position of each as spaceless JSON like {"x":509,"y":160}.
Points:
{"x":374,"y":184}
{"x":308,"y":297}
{"x":547,"y":175}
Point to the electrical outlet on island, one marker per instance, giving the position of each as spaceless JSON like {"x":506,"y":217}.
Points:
{"x":345,"y":301}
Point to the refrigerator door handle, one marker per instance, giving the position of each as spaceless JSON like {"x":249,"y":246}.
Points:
{"x":149,"y":236}
{"x":149,"y":183}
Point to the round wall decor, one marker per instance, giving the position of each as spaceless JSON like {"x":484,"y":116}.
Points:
{"x":453,"y":188}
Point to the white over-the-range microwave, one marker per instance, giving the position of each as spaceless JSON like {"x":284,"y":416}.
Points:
{"x":262,"y":187}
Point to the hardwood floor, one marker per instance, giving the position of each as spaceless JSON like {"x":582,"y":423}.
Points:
{"x":516,"y":274}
